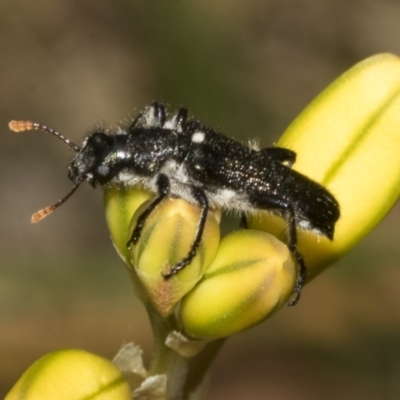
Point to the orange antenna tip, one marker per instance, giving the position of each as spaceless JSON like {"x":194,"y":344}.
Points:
{"x":20,"y":126}
{"x":38,"y":216}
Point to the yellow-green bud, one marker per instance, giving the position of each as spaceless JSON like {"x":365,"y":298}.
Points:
{"x":252,"y":276}
{"x":71,"y":375}
{"x":121,"y":203}
{"x":348,"y":139}
{"x":165,"y":240}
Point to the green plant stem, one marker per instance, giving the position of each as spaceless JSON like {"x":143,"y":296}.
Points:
{"x":187,"y":378}
{"x":165,"y":360}
{"x":196,"y":385}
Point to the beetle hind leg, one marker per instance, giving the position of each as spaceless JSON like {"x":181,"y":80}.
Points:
{"x":292,"y":244}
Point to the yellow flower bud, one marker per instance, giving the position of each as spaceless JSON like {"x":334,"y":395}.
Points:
{"x":252,"y":276}
{"x":121,"y":203}
{"x":71,"y":375}
{"x":348,"y":139}
{"x":166,"y":239}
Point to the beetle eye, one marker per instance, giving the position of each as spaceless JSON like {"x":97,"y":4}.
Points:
{"x":103,"y":170}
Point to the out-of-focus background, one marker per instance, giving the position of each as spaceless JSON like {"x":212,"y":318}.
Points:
{"x":245,"y":67}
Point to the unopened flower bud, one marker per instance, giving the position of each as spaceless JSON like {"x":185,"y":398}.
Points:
{"x":165,"y":240}
{"x":71,"y":375}
{"x":252,"y":276}
{"x":121,"y":203}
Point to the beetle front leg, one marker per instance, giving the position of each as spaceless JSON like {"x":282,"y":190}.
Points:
{"x":163,"y":187}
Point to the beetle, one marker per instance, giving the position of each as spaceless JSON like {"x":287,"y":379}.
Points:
{"x":181,"y":157}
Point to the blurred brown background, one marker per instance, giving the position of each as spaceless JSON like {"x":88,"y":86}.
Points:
{"x":245,"y":67}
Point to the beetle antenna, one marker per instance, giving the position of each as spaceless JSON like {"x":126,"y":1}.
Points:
{"x":21,"y":126}
{"x":38,"y":216}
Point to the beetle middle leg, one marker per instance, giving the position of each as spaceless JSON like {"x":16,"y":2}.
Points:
{"x":155,"y":113}
{"x":202,"y":200}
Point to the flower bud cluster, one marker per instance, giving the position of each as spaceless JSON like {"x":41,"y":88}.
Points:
{"x":255,"y":264}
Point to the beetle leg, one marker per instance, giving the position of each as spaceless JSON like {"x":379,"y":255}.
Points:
{"x":157,"y":119}
{"x":292,"y":244}
{"x":279,"y":154}
{"x":159,"y":114}
{"x":201,"y":198}
{"x":180,"y":119}
{"x":243,"y":221}
{"x":163,"y":187}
